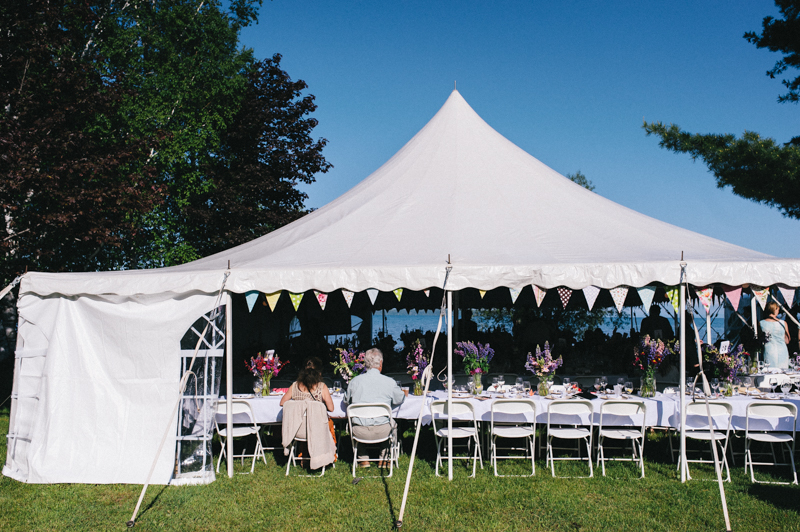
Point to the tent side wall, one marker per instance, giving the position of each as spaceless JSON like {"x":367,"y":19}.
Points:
{"x":95,"y":383}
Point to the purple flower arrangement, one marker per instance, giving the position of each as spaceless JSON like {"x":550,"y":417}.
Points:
{"x":541,"y":363}
{"x":267,"y":365}
{"x":726,"y":365}
{"x":417,"y":360}
{"x":349,"y":364}
{"x":476,"y":356}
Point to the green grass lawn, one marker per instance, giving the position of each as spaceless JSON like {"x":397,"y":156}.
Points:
{"x":267,"y":500}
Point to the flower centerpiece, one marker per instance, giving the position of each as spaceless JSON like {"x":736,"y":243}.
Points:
{"x":543,"y":365}
{"x":349,"y":364}
{"x":265,"y":367}
{"x":648,"y":356}
{"x":726,"y":365}
{"x":417,"y":361}
{"x":476,"y":359}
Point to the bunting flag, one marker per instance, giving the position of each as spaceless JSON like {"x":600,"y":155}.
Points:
{"x":322,"y":298}
{"x":705,"y":295}
{"x":427,"y":293}
{"x":646,"y":294}
{"x":272,"y":299}
{"x":482,"y":292}
{"x":514,"y":293}
{"x":761,"y":294}
{"x":564,"y":294}
{"x":788,"y":295}
{"x":619,"y":294}
{"x":734,"y":294}
{"x":539,"y":294}
{"x":591,"y":293}
{"x":398,"y":293}
{"x":674,"y":296}
{"x":251,"y":297}
{"x":296,"y":299}
{"x":373,"y":294}
{"x":348,"y":297}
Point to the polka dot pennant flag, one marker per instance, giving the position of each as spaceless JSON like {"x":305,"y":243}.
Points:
{"x":646,"y":294}
{"x":427,"y":293}
{"x":296,"y":299}
{"x":348,"y":297}
{"x":321,"y":298}
{"x":788,"y":295}
{"x":514,"y":294}
{"x":272,"y":300}
{"x":539,"y":294}
{"x":673,"y":294}
{"x":761,"y":294}
{"x":591,"y":293}
{"x":373,"y":294}
{"x":705,"y":295}
{"x":564,"y":294}
{"x":398,"y":293}
{"x":619,"y":294}
{"x":734,"y":294}
{"x":482,"y":292}
{"x":251,"y":297}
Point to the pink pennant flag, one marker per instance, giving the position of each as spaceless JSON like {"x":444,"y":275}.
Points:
{"x":272,"y":299}
{"x":591,"y":293}
{"x":564,"y":294}
{"x":761,"y":294}
{"x":734,"y":295}
{"x":539,"y":294}
{"x":705,"y":296}
{"x":788,"y":295}
{"x":348,"y":297}
{"x":619,"y":294}
{"x":514,"y":293}
{"x":322,"y":298}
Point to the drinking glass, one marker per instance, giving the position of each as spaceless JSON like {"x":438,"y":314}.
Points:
{"x":785,"y":387}
{"x":526,"y":387}
{"x":748,"y":382}
{"x":715,"y":386}
{"x":337,"y":386}
{"x":689,"y":385}
{"x":603,"y":382}
{"x":597,"y":384}
{"x":519,"y":382}
{"x":501,"y":380}
{"x":566,"y":383}
{"x":628,"y":387}
{"x":257,"y":386}
{"x":620,"y":381}
{"x":494,"y":383}
{"x":760,"y":366}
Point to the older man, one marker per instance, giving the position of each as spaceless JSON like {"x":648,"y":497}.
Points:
{"x":372,"y":387}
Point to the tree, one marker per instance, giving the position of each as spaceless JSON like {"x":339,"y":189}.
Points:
{"x":756,"y":168}
{"x":580,"y":179}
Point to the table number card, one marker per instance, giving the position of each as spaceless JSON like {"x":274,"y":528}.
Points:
{"x":724,"y":347}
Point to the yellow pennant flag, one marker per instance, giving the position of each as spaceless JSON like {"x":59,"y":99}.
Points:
{"x":272,"y":299}
{"x":398,"y":293}
{"x":296,"y":299}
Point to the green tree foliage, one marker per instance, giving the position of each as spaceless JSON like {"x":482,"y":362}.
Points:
{"x":580,"y":179}
{"x":756,"y":168}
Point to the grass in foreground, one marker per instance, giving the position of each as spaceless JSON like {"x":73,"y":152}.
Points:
{"x":267,"y":500}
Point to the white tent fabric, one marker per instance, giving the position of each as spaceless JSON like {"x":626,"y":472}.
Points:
{"x":97,"y":355}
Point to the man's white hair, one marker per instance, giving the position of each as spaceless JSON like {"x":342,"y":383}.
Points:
{"x":373,"y":358}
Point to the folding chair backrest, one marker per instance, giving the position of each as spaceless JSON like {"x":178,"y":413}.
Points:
{"x":462,"y":409}
{"x":570,"y":411}
{"x":697,"y":415}
{"x":765,"y":413}
{"x":241,"y":413}
{"x":369,"y":410}
{"x":513,"y":406}
{"x":622,"y":408}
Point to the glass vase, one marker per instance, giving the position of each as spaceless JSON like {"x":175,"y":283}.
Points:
{"x":477,"y":384}
{"x":543,"y":389}
{"x":418,"y":387}
{"x":265,"y":385}
{"x":647,"y":386}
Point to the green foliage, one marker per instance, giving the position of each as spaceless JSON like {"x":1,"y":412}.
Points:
{"x":580,"y":179}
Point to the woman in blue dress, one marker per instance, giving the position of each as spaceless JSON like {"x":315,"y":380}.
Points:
{"x":776,"y":335}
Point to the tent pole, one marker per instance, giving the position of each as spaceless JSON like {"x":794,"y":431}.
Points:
{"x":229,"y":378}
{"x":682,"y":307}
{"x":450,"y":387}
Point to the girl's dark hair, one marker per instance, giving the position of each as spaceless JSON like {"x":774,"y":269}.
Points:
{"x":310,"y":374}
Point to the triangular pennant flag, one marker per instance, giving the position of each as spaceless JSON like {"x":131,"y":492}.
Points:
{"x":761,"y":294}
{"x":673,"y":294}
{"x":705,"y":295}
{"x":272,"y":299}
{"x":398,"y":293}
{"x":646,"y":294}
{"x":539,"y":293}
{"x":591,"y":293}
{"x":619,"y":294}
{"x":296,"y":299}
{"x":482,"y":292}
{"x":427,"y":293}
{"x":564,"y":294}
{"x":322,"y":298}
{"x":251,"y":297}
{"x":788,"y":295}
{"x":514,"y":294}
{"x":348,"y":297}
{"x":734,"y":294}
{"x":373,"y":294}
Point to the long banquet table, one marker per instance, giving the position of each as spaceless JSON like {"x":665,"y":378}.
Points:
{"x":662,"y":410}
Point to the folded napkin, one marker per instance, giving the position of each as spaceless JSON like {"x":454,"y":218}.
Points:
{"x":586,"y":395}
{"x":280,"y":390}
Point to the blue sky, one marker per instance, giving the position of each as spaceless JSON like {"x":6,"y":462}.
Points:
{"x":570,"y":82}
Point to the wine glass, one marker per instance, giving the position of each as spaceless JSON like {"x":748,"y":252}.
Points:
{"x":597,"y":384}
{"x":526,"y":387}
{"x":518,"y":383}
{"x":748,"y":383}
{"x":337,"y":386}
{"x":501,"y":380}
{"x":565,"y":381}
{"x":620,"y":381}
{"x":773,"y":384}
{"x":494,"y":384}
{"x":715,"y":386}
{"x":604,"y":382}
{"x":628,"y":387}
{"x":785,"y":387}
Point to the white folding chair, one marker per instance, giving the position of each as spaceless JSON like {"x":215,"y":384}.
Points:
{"x":293,"y":456}
{"x":622,"y":420}
{"x":697,"y":428}
{"x":570,"y":412}
{"x":759,"y":426}
{"x":513,"y":419}
{"x":465,"y":427}
{"x":244,"y":425}
{"x":366,"y":411}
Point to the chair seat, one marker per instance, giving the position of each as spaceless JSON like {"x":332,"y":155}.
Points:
{"x":238,"y":432}
{"x":512,"y":432}
{"x":621,"y":434}
{"x":570,"y":433}
{"x":706,"y":435}
{"x":770,"y":437}
{"x":458,"y":432}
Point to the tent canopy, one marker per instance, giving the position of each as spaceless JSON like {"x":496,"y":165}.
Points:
{"x":458,"y":189}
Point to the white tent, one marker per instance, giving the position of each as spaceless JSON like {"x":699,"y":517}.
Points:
{"x":98,"y":353}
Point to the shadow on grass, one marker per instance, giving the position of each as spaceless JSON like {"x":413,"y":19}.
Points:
{"x":392,"y":518}
{"x":780,"y":496}
{"x":152,"y":503}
